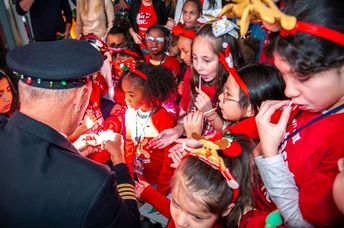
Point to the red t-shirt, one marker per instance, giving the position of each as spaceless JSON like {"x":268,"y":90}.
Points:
{"x":145,"y":18}
{"x":156,"y":166}
{"x":312,"y":157}
{"x":169,"y":62}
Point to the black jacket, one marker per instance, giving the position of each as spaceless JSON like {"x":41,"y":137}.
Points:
{"x":46,"y":18}
{"x":45,"y":182}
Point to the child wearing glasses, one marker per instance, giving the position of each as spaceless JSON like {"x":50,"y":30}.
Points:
{"x":142,"y":15}
{"x":156,"y":41}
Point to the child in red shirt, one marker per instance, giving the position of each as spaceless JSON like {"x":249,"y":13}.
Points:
{"x":298,"y":159}
{"x":145,"y":90}
{"x":203,"y":197}
{"x":156,"y":41}
{"x":206,"y":83}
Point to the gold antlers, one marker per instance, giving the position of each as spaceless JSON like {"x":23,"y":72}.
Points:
{"x":250,"y":10}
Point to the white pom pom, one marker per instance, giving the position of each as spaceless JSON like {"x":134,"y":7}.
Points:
{"x":224,"y":45}
{"x":233,"y":184}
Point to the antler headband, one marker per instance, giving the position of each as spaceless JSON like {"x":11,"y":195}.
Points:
{"x":208,"y":154}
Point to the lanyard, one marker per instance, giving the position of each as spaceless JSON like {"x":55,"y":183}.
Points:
{"x":322,"y":116}
{"x":137,"y":136}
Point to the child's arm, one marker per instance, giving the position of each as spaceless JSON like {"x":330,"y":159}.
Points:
{"x":166,"y":173}
{"x":148,"y":194}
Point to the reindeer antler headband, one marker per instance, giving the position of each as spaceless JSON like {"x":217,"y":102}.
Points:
{"x":208,"y":154}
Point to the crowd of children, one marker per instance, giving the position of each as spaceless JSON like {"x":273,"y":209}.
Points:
{"x":229,"y":140}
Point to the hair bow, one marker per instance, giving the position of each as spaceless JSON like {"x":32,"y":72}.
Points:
{"x":227,"y":61}
{"x":179,"y":30}
{"x":224,"y":26}
{"x":129,"y":65}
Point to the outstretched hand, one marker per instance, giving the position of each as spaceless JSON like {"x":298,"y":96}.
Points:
{"x":176,"y":152}
{"x":165,"y":138}
{"x":87,"y":144}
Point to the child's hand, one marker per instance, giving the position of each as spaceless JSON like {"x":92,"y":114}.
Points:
{"x":271,"y":134}
{"x":193,"y":122}
{"x":136,"y":37}
{"x":139,"y":187}
{"x":117,"y":108}
{"x":203,"y":102}
{"x":170,"y":23}
{"x":176,"y":154}
{"x":87,"y":144}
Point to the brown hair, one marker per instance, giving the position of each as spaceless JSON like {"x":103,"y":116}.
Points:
{"x":217,"y":46}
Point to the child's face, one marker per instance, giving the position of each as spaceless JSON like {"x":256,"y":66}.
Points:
{"x":189,"y":213}
{"x":184,"y":45}
{"x":338,"y":187}
{"x":229,"y":101}
{"x":190,"y":14}
{"x":155,"y":41}
{"x":115,"y":40}
{"x":6,"y":96}
{"x":204,"y":60}
{"x":321,"y":91}
{"x":133,"y":94}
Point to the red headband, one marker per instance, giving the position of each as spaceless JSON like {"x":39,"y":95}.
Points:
{"x":226,"y":60}
{"x":315,"y":30}
{"x":125,"y":51}
{"x":129,"y":65}
{"x":179,"y":30}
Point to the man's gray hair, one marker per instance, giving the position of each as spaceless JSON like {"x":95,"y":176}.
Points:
{"x":31,"y":93}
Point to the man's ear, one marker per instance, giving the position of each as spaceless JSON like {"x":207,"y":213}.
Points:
{"x":82,"y":97}
{"x":228,"y":210}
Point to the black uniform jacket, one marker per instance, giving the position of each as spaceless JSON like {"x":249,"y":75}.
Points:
{"x":44,"y":182}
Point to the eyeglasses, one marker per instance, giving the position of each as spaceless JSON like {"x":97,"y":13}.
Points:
{"x":159,"y":40}
{"x":226,"y":98}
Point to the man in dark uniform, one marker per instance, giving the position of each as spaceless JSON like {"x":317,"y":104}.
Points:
{"x":44,"y":181}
